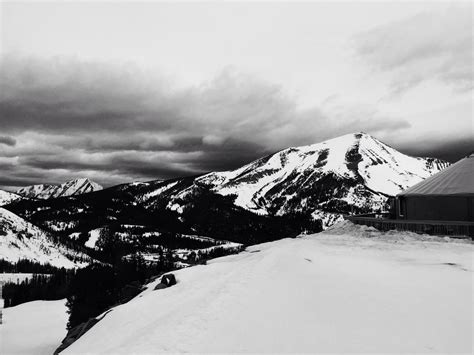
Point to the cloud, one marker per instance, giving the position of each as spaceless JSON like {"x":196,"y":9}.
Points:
{"x":7,"y":140}
{"x":115,"y":123}
{"x":451,"y":149}
{"x":428,"y":46}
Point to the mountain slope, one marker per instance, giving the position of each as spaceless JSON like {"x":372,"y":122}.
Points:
{"x":206,"y":214}
{"x":324,"y":293}
{"x":20,"y":239}
{"x":8,"y":197}
{"x":70,"y":188}
{"x":354,"y":172}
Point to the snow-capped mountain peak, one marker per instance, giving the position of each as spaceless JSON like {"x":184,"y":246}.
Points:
{"x":353,"y":170}
{"x":69,"y":188}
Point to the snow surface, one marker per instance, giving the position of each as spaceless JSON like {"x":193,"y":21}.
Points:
{"x":94,"y":236}
{"x":394,"y":171}
{"x":7,"y":197}
{"x":36,"y":327}
{"x":158,"y":191}
{"x":327,"y":219}
{"x":347,"y":290}
{"x":20,"y":239}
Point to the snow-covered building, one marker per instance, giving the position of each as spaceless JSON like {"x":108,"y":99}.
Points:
{"x":445,"y":196}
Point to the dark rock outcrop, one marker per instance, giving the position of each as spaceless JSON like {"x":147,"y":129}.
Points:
{"x":166,"y":281}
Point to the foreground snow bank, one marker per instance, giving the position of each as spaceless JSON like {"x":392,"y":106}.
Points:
{"x":321,"y":293}
{"x":33,"y":328}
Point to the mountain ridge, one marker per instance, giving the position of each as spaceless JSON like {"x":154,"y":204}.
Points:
{"x":69,"y":188}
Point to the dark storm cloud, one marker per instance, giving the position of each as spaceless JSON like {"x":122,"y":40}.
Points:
{"x":7,"y":140}
{"x":451,"y":150}
{"x":147,"y":163}
{"x":14,"y":182}
{"x":74,"y":96}
{"x":116,"y":124}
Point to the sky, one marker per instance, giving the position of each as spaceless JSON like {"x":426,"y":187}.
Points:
{"x":127,"y":91}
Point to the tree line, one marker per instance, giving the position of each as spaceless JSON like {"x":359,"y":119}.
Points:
{"x":39,"y":287}
{"x":26,"y":266}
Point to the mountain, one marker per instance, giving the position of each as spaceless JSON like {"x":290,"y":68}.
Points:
{"x":139,"y":214}
{"x":20,"y":239}
{"x":70,"y":188}
{"x":351,"y":173}
{"x":8,"y":197}
{"x":277,"y":196}
{"x":354,"y":173}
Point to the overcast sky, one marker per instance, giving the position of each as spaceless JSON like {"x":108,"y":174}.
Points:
{"x":129,"y":91}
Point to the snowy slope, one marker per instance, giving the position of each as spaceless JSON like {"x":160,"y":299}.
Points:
{"x":20,"y":239}
{"x":325,"y":293}
{"x":7,"y":197}
{"x":33,"y":328}
{"x":70,"y":188}
{"x":354,"y":171}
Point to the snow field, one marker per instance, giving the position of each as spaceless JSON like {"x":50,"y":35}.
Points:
{"x":321,"y":293}
{"x":33,"y":328}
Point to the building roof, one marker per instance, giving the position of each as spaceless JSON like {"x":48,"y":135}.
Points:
{"x":457,"y":179}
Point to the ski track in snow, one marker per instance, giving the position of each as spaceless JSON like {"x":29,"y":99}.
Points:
{"x":321,"y":293}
